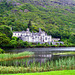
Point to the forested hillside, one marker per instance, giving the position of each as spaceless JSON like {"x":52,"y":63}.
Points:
{"x":56,"y":17}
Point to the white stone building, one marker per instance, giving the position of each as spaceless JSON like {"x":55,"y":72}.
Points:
{"x":40,"y":37}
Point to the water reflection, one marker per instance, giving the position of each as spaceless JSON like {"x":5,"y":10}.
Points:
{"x":45,"y":54}
{"x":53,"y":49}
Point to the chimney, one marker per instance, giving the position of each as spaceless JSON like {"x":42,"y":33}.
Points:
{"x":27,"y":29}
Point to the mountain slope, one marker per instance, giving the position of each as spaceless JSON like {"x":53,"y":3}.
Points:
{"x":56,"y":17}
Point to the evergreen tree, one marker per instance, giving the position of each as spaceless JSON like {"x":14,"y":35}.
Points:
{"x":29,"y":25}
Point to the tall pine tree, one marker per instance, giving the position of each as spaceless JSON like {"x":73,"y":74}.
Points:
{"x":30,"y":25}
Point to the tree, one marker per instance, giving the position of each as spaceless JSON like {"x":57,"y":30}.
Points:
{"x":6,"y":30}
{"x":4,"y":40}
{"x":29,"y":24}
{"x":13,"y":43}
{"x":1,"y":51}
{"x":72,"y":38}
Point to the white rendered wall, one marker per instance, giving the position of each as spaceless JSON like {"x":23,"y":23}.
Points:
{"x":47,"y":39}
{"x":30,"y":39}
{"x":17,"y":34}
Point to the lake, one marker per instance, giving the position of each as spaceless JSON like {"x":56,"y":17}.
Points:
{"x":44,"y":54}
{"x":52,"y":49}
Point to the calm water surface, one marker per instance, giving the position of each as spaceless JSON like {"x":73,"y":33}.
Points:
{"x":44,"y":54}
{"x":52,"y":49}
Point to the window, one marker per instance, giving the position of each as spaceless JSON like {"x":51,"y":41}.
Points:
{"x":45,"y":38}
{"x":48,"y":38}
{"x":35,"y":36}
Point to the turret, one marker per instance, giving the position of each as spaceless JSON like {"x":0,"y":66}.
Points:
{"x":39,"y":29}
{"x":27,"y":29}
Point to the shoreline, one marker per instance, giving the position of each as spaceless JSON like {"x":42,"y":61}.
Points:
{"x":38,"y":47}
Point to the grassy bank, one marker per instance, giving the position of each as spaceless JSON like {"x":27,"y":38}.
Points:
{"x":7,"y":56}
{"x":63,"y":53}
{"x":30,"y":45}
{"x":64,"y":72}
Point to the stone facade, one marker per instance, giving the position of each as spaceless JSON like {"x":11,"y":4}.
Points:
{"x":40,"y":37}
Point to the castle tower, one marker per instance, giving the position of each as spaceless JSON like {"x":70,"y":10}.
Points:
{"x":27,"y":29}
{"x":39,"y":29}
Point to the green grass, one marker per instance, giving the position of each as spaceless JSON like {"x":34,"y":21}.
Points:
{"x":64,"y":53}
{"x":64,"y":72}
{"x":7,"y":56}
{"x":22,"y":66}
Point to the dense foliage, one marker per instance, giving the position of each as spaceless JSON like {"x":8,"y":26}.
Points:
{"x":4,"y":40}
{"x":55,"y":17}
{"x":6,"y":30}
{"x":1,"y":51}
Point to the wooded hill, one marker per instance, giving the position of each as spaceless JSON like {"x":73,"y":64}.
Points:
{"x":56,"y":17}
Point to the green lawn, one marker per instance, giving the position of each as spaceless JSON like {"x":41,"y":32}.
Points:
{"x":64,"y":72}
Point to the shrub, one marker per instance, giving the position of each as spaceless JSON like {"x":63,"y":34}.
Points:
{"x":1,"y":51}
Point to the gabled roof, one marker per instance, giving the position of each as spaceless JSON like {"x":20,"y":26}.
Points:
{"x":23,"y":31}
{"x":17,"y":32}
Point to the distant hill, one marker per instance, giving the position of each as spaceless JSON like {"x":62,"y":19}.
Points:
{"x":56,"y":17}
